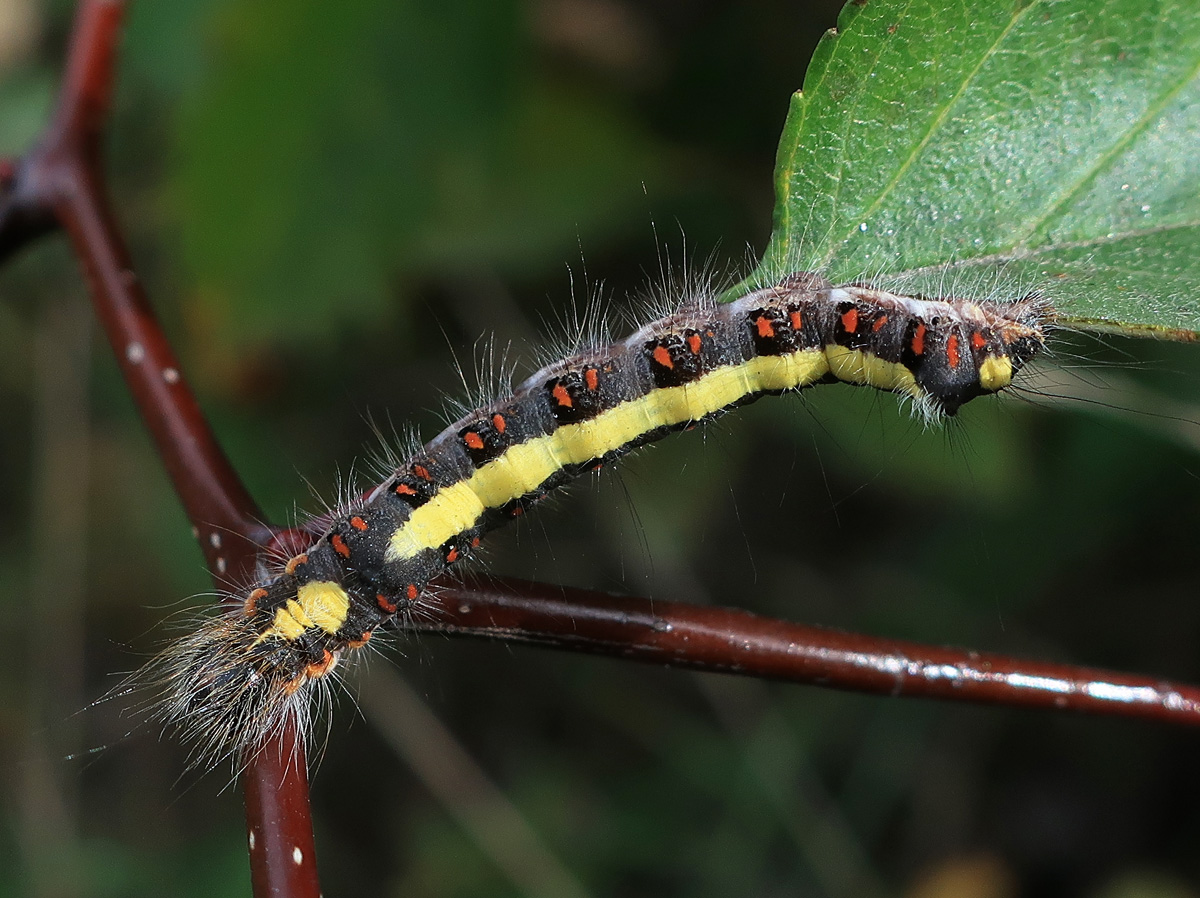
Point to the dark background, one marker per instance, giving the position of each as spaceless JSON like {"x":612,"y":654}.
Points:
{"x":330,"y":203}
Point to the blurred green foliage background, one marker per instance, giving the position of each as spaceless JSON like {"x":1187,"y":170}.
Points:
{"x":330,"y":206}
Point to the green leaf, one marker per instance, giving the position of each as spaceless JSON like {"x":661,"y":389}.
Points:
{"x":994,"y":146}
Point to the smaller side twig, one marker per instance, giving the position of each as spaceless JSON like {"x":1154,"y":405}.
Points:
{"x":60,"y":183}
{"x":732,"y":641}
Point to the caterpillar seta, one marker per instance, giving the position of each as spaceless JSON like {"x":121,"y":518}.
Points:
{"x":249,"y":670}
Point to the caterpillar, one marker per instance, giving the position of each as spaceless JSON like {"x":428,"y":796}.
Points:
{"x":244,"y":673}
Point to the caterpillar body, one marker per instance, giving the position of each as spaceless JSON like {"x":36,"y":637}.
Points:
{"x":246,"y":672}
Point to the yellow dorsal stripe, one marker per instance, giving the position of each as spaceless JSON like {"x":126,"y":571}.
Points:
{"x":854,"y":366}
{"x":524,"y":467}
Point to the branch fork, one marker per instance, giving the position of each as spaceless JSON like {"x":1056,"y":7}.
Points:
{"x":60,"y":184}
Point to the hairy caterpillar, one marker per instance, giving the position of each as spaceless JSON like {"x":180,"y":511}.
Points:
{"x":246,"y":672}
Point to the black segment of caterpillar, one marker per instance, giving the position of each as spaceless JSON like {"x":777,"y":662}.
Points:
{"x":244,"y":673}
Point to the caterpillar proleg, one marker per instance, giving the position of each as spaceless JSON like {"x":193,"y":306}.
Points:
{"x":244,"y":673}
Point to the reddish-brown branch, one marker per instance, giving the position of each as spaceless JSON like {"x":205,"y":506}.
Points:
{"x":86,"y":92}
{"x":732,"y":641}
{"x":60,"y":183}
{"x":279,"y":831}
{"x":212,"y":494}
{"x":67,"y":167}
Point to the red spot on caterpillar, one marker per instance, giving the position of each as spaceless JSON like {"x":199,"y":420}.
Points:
{"x":918,"y":340}
{"x":382,"y":601}
{"x":591,"y":379}
{"x":693,"y":342}
{"x":517,"y":511}
{"x":850,"y":320}
{"x":763,"y":325}
{"x":294,"y":562}
{"x":405,"y":490}
{"x":251,"y":603}
{"x":422,"y":472}
{"x":796,"y":319}
{"x":499,"y":423}
{"x":952,"y":350}
{"x":562,"y":396}
{"x":473,"y":440}
{"x":358,"y":523}
{"x":978,"y":341}
{"x":322,"y":667}
{"x":360,"y":642}
{"x":452,"y":555}
{"x":475,"y":542}
{"x":879,"y":323}
{"x":662,"y":356}
{"x":411,"y":592}
{"x":339,"y":545}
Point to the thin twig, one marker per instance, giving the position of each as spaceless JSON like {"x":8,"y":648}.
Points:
{"x":60,"y":183}
{"x":738,"y":642}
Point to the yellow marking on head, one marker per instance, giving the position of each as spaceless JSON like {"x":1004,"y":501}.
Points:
{"x":523,"y":468}
{"x":995,"y":373}
{"x":857,"y":367}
